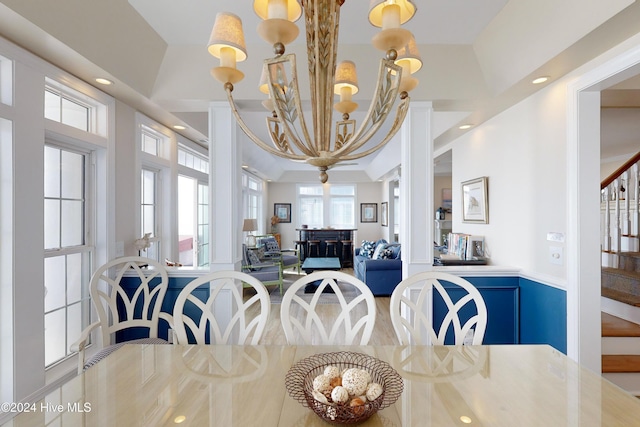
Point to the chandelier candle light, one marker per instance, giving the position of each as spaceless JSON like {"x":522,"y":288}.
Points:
{"x":290,"y":136}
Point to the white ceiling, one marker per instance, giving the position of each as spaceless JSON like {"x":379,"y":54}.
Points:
{"x":442,"y":22}
{"x":479,"y":56}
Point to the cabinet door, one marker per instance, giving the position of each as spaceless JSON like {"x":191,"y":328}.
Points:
{"x":501,"y":296}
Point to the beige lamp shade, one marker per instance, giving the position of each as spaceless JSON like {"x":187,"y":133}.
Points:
{"x":406,"y":11}
{"x":346,"y":77}
{"x":281,"y":8}
{"x":227,"y":33}
{"x":250,"y":225}
{"x":409,"y":54}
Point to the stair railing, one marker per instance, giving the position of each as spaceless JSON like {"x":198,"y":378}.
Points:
{"x":622,"y":185}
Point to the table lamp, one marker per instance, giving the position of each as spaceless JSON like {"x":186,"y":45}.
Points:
{"x":250,"y":225}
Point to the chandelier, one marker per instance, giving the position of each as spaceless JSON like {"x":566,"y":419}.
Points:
{"x":287,"y":127}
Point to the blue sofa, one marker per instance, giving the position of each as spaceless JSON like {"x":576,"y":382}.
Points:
{"x":380,"y":275}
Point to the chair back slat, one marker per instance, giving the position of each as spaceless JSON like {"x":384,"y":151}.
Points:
{"x":353,"y":323}
{"x":118,"y":310}
{"x":223,"y":317}
{"x":412,"y":310}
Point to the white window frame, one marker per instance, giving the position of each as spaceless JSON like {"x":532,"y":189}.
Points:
{"x":86,"y":249}
{"x":6,"y":259}
{"x":166,"y":185}
{"x":326,"y":198}
{"x":252,"y":210}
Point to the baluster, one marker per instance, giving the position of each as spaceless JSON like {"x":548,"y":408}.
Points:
{"x":618,"y":223}
{"x":636,"y":199}
{"x":625,"y":194}
{"x":607,"y":220}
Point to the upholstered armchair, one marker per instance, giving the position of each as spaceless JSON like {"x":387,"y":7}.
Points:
{"x":288,"y":258}
{"x":268,"y":272}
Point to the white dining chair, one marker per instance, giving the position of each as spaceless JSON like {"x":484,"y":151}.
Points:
{"x":118,"y":312}
{"x":350,"y":324}
{"x":203,"y":318}
{"x":412,"y":305}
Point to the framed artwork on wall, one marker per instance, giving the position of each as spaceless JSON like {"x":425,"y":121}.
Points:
{"x":368,"y":212}
{"x":384,"y":214}
{"x":282,"y":211}
{"x":475,"y":205}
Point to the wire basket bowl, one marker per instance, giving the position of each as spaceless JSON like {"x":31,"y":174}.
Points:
{"x":299,"y":383}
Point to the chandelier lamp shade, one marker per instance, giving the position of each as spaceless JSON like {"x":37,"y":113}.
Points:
{"x":291,"y":137}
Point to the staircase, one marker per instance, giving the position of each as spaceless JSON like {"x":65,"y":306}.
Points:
{"x":623,"y":283}
{"x":620,"y":218}
{"x":621,"y":353}
{"x":620,"y":276}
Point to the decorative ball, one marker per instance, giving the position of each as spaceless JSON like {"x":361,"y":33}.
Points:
{"x":332,"y":372}
{"x":355,"y":381}
{"x":322,"y":384}
{"x":374,"y":390}
{"x":340,"y":395}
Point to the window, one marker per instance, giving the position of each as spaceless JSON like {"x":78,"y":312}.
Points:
{"x":193,"y":205}
{"x":153,"y":142}
{"x":149,"y":212}
{"x":193,"y":224}
{"x":6,"y":81}
{"x":327,"y":205}
{"x":252,"y":198}
{"x":192,"y":160}
{"x":203,"y":225}
{"x":310,"y":198}
{"x":342,"y":203}
{"x":66,"y":110}
{"x":6,"y":260}
{"x":67,"y":263}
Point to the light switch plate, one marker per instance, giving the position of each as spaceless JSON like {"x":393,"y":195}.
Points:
{"x":555,"y":255}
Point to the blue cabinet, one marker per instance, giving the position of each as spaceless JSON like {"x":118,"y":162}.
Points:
{"x":501,"y":296}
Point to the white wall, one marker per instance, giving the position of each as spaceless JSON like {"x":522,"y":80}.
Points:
{"x":286,"y":192}
{"x":525,"y":163}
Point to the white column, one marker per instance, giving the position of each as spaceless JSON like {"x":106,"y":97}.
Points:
{"x":416,"y":190}
{"x":583,"y":243}
{"x":225,"y":189}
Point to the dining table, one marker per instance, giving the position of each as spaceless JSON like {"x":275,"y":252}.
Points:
{"x":229,"y":385}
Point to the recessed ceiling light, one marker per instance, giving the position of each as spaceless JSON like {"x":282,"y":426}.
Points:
{"x":465,"y":419}
{"x":540,"y":79}
{"x":464,"y":127}
{"x":179,"y":127}
{"x":104,"y":81}
{"x":179,"y":419}
{"x":245,"y":167}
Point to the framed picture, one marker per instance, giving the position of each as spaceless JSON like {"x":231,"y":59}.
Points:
{"x":282,"y":211}
{"x":368,"y":212}
{"x":384,"y":214}
{"x":475,"y":205}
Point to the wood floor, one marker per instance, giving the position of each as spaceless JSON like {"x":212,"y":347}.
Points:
{"x":383,"y":333}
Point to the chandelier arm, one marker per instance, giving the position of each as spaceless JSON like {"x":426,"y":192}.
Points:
{"x":401,"y":113}
{"x":287,"y":104}
{"x":253,"y":137}
{"x":386,"y":91}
